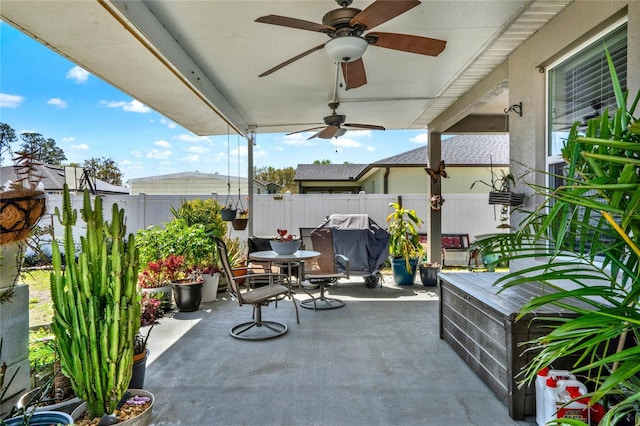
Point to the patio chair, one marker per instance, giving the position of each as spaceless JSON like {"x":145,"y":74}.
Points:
{"x":322,"y":270}
{"x":257,"y":297}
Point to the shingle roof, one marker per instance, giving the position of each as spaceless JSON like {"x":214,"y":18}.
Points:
{"x":328,"y":172}
{"x":462,"y":150}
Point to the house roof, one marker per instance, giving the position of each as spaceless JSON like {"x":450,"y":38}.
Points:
{"x":187,"y":175}
{"x":329,"y":172}
{"x":53,"y":179}
{"x":462,"y":150}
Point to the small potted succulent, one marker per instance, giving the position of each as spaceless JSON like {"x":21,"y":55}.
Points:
{"x":285,"y":243}
{"x":429,"y":273}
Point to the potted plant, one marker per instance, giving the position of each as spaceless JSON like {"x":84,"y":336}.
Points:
{"x":237,"y":253}
{"x":583,"y":242}
{"x":22,"y":203}
{"x":190,"y":234}
{"x":151,"y":311}
{"x":240,"y":222}
{"x":405,"y":248}
{"x":152,"y":281}
{"x":228,"y":213}
{"x":186,"y":283}
{"x":96,"y":305}
{"x":429,"y":273}
{"x":285,"y":243}
{"x":500,"y":189}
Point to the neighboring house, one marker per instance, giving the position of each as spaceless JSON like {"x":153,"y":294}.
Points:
{"x":467,"y":158}
{"x":53,"y":179}
{"x":188,"y":183}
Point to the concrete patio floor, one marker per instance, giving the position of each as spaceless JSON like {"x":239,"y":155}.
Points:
{"x":376,"y":361}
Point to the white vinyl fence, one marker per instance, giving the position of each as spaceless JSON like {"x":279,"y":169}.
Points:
{"x":461,"y":213}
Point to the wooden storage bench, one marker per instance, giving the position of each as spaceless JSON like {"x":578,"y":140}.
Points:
{"x":481,"y":327}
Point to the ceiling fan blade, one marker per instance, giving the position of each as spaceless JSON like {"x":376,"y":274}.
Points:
{"x":305,"y":130}
{"x":354,"y":74}
{"x":300,"y":24}
{"x":364,"y":126}
{"x":328,"y":132}
{"x":381,"y":11}
{"x":408,"y":43}
{"x":290,"y":61}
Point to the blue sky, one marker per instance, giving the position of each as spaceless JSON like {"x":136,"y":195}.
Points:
{"x":42,"y":92}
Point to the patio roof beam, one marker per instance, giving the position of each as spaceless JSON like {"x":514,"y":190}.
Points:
{"x":143,"y":25}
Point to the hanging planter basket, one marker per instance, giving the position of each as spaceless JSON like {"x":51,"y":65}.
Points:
{"x":20,"y":211}
{"x":239,"y":224}
{"x":228,"y":214}
{"x":506,"y":198}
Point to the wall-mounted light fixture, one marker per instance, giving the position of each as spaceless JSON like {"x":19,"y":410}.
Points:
{"x":517,"y":108}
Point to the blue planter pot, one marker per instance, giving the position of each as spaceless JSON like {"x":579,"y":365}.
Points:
{"x":41,"y":418}
{"x":401,"y":275}
{"x":488,"y":261}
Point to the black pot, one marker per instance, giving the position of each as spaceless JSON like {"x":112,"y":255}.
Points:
{"x":228,"y":214}
{"x":429,"y":275}
{"x":139,"y":370}
{"x":239,"y":224}
{"x":187,"y":295}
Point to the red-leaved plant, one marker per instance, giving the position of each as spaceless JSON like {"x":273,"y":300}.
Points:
{"x":283,"y":235}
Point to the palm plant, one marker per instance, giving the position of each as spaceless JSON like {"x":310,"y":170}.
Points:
{"x":585,"y":239}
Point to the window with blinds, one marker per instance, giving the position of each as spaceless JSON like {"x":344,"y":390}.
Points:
{"x":580,"y":87}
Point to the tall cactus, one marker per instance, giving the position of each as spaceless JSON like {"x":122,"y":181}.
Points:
{"x":96,"y":305}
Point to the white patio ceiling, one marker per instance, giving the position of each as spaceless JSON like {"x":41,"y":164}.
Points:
{"x":197,"y":62}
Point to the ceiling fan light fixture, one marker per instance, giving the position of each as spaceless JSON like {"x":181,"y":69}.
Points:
{"x":346,"y":48}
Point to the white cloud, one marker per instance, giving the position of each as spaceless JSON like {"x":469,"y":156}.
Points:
{"x":57,"y":102}
{"x":133,"y":106}
{"x":169,"y":124}
{"x":10,"y":101}
{"x":360,"y":133}
{"x":137,"y":153}
{"x":157,"y":154}
{"x":370,"y":148}
{"x":162,"y":144}
{"x":81,"y":147}
{"x":68,"y":139}
{"x":299,"y":139}
{"x":345,"y":143}
{"x":185,"y":137}
{"x":198,"y":149}
{"x":78,"y":75}
{"x":191,"y":158}
{"x":234,"y":152}
{"x":422,"y":138}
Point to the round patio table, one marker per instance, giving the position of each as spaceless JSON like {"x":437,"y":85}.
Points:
{"x":285,"y":259}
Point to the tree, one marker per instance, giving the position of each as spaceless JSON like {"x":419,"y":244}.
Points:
{"x":283,"y":177}
{"x":7,"y":137}
{"x":44,"y":150}
{"x":105,"y":169}
{"x":321,"y":161}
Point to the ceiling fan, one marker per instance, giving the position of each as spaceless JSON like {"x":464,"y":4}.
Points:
{"x":334,"y":123}
{"x":346,"y":27}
